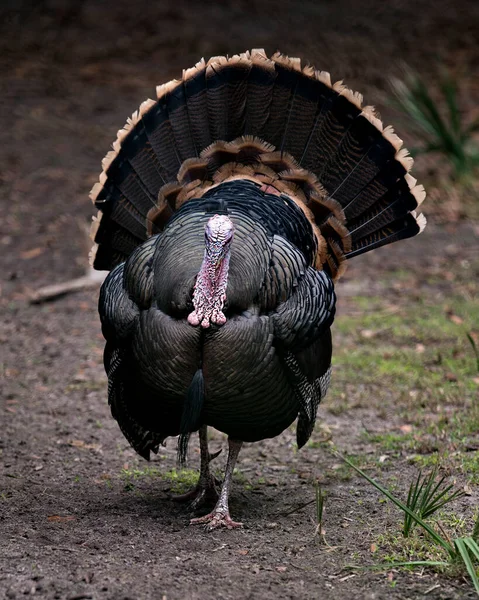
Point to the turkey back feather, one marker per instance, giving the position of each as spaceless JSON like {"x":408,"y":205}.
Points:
{"x":287,"y":129}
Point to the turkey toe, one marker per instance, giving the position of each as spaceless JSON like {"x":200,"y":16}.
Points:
{"x":215,"y":520}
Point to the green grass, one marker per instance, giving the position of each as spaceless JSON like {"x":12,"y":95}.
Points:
{"x":458,"y":462}
{"x":415,"y":361}
{"x":394,"y":548}
{"x":89,"y":385}
{"x":474,"y":348}
{"x":460,"y":553}
{"x":180,"y":480}
{"x":392,"y":442}
{"x":135,"y":474}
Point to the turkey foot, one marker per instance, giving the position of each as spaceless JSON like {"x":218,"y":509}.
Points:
{"x":205,"y":490}
{"x":217,"y":518}
{"x":220,"y":516}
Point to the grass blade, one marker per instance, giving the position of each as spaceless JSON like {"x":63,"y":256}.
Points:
{"x":475,"y":531}
{"x":319,"y":506}
{"x":438,"y":503}
{"x":462,"y":548}
{"x":436,"y":498}
{"x":435,"y":536}
{"x":472,"y":545}
{"x":319,"y":511}
{"x":472,"y":128}
{"x":449,"y":89}
{"x":408,"y":563}
{"x":474,"y":347}
{"x":412,"y":500}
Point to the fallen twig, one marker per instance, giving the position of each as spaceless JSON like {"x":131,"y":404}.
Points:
{"x":51,"y":292}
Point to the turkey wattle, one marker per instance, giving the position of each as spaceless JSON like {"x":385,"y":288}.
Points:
{"x":228,"y":208}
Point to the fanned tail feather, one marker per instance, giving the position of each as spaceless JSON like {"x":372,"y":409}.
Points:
{"x":287,"y":128}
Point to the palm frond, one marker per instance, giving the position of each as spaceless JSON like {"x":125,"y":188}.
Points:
{"x":439,"y":124}
{"x":425,"y":498}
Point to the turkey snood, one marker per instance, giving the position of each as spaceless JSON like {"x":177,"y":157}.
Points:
{"x":210,"y":289}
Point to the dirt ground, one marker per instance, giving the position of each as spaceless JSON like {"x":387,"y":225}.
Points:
{"x":81,"y":516}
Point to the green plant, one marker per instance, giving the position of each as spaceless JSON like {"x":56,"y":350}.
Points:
{"x":475,"y":531}
{"x":319,"y":509}
{"x":425,"y":498}
{"x":474,"y":348}
{"x":441,"y":128}
{"x":464,"y":549}
{"x":468,"y":549}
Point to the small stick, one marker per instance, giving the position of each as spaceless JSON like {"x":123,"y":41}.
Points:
{"x":296,"y":509}
{"x":51,"y":292}
{"x":431,"y":589}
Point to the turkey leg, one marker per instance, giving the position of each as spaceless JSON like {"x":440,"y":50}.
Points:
{"x":205,"y":489}
{"x":220,"y":516}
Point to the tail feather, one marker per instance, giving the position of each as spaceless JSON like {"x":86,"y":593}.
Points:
{"x":177,"y":107}
{"x":114,"y":245}
{"x":391,"y":175}
{"x":127,"y":217}
{"x":260,"y":92}
{"x":137,"y":149}
{"x":396,"y":203}
{"x":124,"y":200}
{"x":160,"y":134}
{"x":335,"y":127}
{"x":384,"y":213}
{"x":302,"y":114}
{"x":401,"y":229}
{"x":131,"y":185}
{"x":315,"y":152}
{"x":357,"y":160}
{"x":196,"y":94}
{"x":288,"y":129}
{"x":227,"y":84}
{"x":282,"y":97}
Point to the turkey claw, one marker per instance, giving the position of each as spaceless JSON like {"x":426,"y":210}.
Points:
{"x":214,"y":455}
{"x":203,"y":492}
{"x":189,"y":496}
{"x":198,"y":495}
{"x":215,"y":520}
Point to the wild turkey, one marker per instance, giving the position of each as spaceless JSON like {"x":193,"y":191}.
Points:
{"x":228,"y":207}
